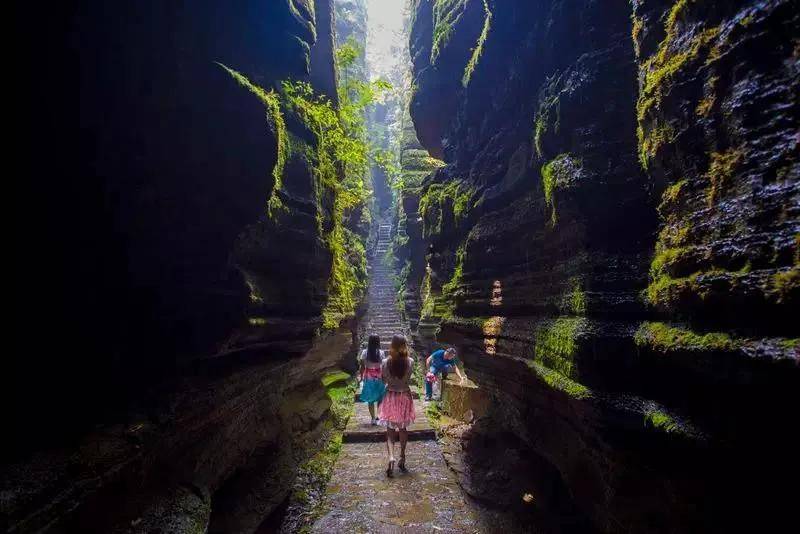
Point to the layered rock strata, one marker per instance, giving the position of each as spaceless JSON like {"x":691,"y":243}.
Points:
{"x":613,"y":244}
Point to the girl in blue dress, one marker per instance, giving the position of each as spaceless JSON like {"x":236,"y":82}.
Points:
{"x":372,"y":389}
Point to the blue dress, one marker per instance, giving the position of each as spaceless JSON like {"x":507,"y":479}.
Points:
{"x":372,"y":389}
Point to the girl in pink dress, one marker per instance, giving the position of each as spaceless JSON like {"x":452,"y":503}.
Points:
{"x":397,"y":409}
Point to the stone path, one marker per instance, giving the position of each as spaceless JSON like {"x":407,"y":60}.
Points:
{"x":359,"y":429}
{"x":360,"y":497}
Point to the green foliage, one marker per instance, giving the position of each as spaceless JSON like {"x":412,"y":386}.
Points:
{"x":428,"y":299}
{"x":348,"y":54}
{"x":348,"y":275}
{"x":449,"y":289}
{"x":340,"y":159}
{"x":664,"y":337}
{"x":338,"y":144}
{"x":277,"y":126}
{"x":438,"y":199}
{"x":478,"y":50}
{"x":340,"y":149}
{"x":446,"y":14}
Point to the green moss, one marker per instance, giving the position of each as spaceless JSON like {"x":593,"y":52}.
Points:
{"x":797,"y":249}
{"x":790,"y":344}
{"x":339,"y":161}
{"x":575,"y":300}
{"x":672,"y":236}
{"x":665,"y":290}
{"x":334,"y":377}
{"x":664,"y":258}
{"x":637,"y":25}
{"x":721,"y":169}
{"x":428,"y":299}
{"x":659,"y":71}
{"x":446,"y":14}
{"x":661,"y":420}
{"x":439,"y":199}
{"x":669,"y":199}
{"x":478,"y":50}
{"x":748,"y":19}
{"x":315,"y":473}
{"x":558,"y":174}
{"x":659,"y":135}
{"x":706,"y":104}
{"x":664,"y":337}
{"x":786,"y":282}
{"x":277,"y":126}
{"x":559,"y":382}
{"x":450,"y":289}
{"x":348,"y":279}
{"x":308,"y":6}
{"x":550,"y":105}
{"x":341,"y":391}
{"x":556,"y":344}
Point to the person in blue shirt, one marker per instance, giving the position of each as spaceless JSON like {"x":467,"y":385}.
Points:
{"x":441,"y":361}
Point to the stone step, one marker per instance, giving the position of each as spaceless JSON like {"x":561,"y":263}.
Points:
{"x":359,"y":429}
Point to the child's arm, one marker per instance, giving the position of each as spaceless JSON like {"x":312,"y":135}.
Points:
{"x":458,"y":372}
{"x":428,"y":362}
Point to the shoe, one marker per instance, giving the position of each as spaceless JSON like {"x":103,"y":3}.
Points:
{"x":427,"y":399}
{"x":402,"y":464}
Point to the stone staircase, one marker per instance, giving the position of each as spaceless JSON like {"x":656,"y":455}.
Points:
{"x":359,"y":496}
{"x":383,"y":317}
{"x":384,"y":320}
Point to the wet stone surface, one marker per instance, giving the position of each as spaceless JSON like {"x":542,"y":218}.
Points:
{"x":361,"y":498}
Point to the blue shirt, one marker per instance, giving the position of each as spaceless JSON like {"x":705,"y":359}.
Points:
{"x":438,"y":361}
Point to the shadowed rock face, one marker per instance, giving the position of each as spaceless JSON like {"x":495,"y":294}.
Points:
{"x":613,"y":244}
{"x":160,"y":160}
{"x":144,"y":390}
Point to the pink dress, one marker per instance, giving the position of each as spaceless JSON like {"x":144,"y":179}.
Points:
{"x":397,"y":409}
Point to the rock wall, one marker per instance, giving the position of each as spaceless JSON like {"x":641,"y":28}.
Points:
{"x":184,"y":249}
{"x":613,"y":244}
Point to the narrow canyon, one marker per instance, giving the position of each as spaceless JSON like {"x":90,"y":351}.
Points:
{"x":597,"y":204}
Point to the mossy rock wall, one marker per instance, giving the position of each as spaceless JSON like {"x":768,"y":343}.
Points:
{"x":191,"y":244}
{"x":613,"y":242}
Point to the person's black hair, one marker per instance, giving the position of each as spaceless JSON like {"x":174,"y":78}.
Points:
{"x":374,"y":349}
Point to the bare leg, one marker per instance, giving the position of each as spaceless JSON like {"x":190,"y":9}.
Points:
{"x":390,"y":443}
{"x":371,"y":407}
{"x":403,"y":441}
{"x":390,"y":450}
